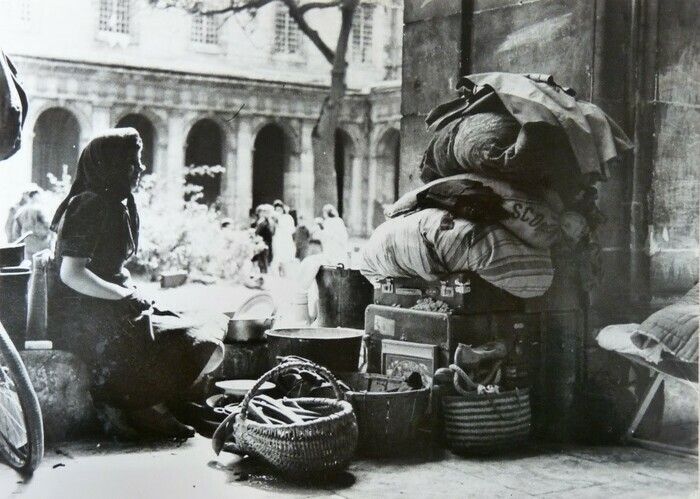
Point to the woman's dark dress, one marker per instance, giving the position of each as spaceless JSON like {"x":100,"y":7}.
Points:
{"x":135,"y":363}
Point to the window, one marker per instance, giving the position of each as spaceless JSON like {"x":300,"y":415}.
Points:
{"x":205,"y":30}
{"x":19,"y":12}
{"x":287,"y":36}
{"x":362,"y":33}
{"x":115,"y":16}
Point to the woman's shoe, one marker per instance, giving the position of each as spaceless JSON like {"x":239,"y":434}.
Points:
{"x":159,"y":423}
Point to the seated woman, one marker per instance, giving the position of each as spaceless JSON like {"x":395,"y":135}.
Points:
{"x":140,"y":357}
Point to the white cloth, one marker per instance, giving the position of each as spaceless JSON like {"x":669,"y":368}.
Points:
{"x":283,"y":247}
{"x":335,"y":241}
{"x":618,"y":338}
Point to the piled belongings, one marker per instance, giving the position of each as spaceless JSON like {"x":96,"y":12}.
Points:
{"x":297,"y":437}
{"x":509,"y":171}
{"x":478,"y":416}
{"x":13,"y":108}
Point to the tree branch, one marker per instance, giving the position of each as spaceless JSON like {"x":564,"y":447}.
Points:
{"x":198,"y":8}
{"x":317,"y":5}
{"x":296,"y":14}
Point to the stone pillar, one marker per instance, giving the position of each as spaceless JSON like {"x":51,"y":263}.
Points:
{"x":171,"y":171}
{"x":244,"y":169}
{"x":228,"y":187}
{"x":306,"y":173}
{"x":355,"y":221}
{"x":371,"y":190}
{"x":101,"y":120}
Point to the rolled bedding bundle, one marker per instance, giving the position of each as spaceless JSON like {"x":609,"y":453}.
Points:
{"x":533,"y":217}
{"x":431,"y":243}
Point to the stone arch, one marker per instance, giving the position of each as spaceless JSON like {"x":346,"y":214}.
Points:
{"x":271,"y":160}
{"x":149,"y":135}
{"x":205,"y":146}
{"x":387,"y":172}
{"x":56,"y":142}
{"x":291,"y":134}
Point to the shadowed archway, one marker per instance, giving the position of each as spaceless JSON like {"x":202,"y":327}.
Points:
{"x":270,"y":161}
{"x":56,"y":143}
{"x":204,"y":147}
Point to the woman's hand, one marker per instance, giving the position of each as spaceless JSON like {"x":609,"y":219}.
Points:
{"x":136,"y":303}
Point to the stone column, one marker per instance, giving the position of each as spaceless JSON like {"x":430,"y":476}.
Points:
{"x":356,"y":195}
{"x":244,"y":169}
{"x":101,"y":120}
{"x":371,"y":191}
{"x":228,"y":187}
{"x":171,"y":171}
{"x":306,"y":180}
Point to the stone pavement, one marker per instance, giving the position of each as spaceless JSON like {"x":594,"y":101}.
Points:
{"x":191,"y":470}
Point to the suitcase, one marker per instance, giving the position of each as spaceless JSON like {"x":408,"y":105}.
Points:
{"x":522,"y":333}
{"x":464,"y":292}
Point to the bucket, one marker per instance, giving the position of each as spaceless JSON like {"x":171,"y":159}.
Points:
{"x":14,"y":283}
{"x":388,"y":419}
{"x":343,"y":296}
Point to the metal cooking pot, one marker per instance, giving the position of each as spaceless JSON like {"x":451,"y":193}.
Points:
{"x":247,"y":330}
{"x":338,"y":349}
{"x":11,"y":255}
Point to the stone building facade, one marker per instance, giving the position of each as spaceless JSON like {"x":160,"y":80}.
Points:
{"x":242,"y":92}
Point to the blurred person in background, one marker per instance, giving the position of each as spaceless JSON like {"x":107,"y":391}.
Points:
{"x":12,"y":212}
{"x":334,"y":237}
{"x":30,"y":219}
{"x":263,"y":228}
{"x":283,"y":248}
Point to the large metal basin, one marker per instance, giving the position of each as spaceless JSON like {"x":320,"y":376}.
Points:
{"x":338,"y":349}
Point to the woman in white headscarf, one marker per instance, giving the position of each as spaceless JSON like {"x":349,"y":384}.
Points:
{"x":283,"y":247}
{"x":334,"y":236}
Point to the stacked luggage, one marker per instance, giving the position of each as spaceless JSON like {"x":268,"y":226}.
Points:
{"x":461,"y":261}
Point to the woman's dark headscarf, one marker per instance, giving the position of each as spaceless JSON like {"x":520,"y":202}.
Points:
{"x":103,"y":168}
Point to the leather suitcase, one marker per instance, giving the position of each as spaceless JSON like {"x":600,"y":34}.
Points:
{"x":464,"y":292}
{"x":522,"y":333}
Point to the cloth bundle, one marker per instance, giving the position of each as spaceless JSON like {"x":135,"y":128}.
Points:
{"x":525,"y":129}
{"x":431,"y":243}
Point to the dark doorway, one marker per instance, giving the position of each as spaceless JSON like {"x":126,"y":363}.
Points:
{"x":148,"y":135}
{"x":56,"y":143}
{"x":204,"y":148}
{"x":269,"y":164}
{"x":343,"y":169}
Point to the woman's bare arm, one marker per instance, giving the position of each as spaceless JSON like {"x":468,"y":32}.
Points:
{"x":76,"y":276}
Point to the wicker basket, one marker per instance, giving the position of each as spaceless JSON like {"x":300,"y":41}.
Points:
{"x":487,"y":422}
{"x":388,"y":421}
{"x":322,"y":445}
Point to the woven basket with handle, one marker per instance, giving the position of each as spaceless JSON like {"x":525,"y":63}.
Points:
{"x":485,"y":422}
{"x":324,"y":444}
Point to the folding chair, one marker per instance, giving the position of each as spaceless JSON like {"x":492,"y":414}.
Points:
{"x":685,"y":372}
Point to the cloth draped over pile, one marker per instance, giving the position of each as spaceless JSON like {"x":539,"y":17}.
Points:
{"x":525,"y":129}
{"x":509,"y":169}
